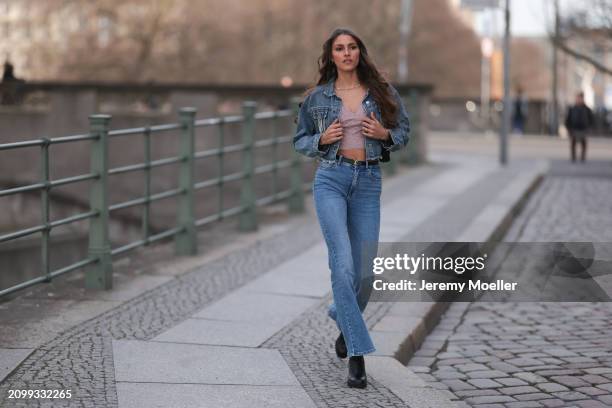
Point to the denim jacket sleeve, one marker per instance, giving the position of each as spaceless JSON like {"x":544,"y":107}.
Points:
{"x":399,"y":134}
{"x":306,"y":139}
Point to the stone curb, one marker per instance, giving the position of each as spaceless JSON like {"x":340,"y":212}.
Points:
{"x":420,"y":318}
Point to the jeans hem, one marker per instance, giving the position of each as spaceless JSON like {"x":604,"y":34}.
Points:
{"x":373,"y":349}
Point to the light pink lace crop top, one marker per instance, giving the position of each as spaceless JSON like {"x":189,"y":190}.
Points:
{"x":351,"y":128}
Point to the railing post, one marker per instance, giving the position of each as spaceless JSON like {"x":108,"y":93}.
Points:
{"x":390,"y":166}
{"x":248,"y":217}
{"x":44,"y":195}
{"x":100,"y":274}
{"x":221,"y":168}
{"x":146,"y":215}
{"x":296,"y":200}
{"x":186,"y":240}
{"x":412,"y":150}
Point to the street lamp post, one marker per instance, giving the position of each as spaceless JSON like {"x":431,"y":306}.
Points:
{"x":480,"y":5}
{"x":554,"y":111}
{"x":485,"y":80}
{"x":404,"y":29}
{"x":505,"y":128}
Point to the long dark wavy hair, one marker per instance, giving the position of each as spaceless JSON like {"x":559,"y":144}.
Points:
{"x":366,"y":72}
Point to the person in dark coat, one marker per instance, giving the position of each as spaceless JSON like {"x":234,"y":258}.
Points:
{"x":10,"y":88}
{"x":578,"y":121}
{"x":519,"y":112}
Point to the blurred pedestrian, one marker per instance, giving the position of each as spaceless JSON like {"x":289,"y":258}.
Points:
{"x":519,"y":112}
{"x":347,"y":121}
{"x":578,"y":121}
{"x":9,"y":72}
{"x":11,"y":85}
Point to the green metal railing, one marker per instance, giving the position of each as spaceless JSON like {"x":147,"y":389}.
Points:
{"x":99,"y":272}
{"x":100,"y":254}
{"x":410,"y":154}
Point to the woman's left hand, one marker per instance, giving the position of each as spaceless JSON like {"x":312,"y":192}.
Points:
{"x":371,"y":127}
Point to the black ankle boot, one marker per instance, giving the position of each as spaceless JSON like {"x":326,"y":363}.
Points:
{"x":340,"y":346}
{"x":356,"y":372}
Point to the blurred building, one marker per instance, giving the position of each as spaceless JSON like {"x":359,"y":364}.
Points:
{"x":267,"y":42}
{"x":444,"y":49}
{"x":209,"y":40}
{"x":37,"y":34}
{"x":15,"y":32}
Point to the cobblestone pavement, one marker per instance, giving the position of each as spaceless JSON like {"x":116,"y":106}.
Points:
{"x":307,"y":348}
{"x":534,"y":354}
{"x":81,"y":358}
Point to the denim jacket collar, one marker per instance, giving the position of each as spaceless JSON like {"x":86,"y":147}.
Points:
{"x":329,"y":88}
{"x":320,"y":109}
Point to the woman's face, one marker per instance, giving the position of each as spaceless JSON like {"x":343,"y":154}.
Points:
{"x":345,"y":53}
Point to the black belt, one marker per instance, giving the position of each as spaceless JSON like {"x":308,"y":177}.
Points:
{"x":357,"y":162}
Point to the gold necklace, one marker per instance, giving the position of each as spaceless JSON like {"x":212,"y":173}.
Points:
{"x":346,"y":89}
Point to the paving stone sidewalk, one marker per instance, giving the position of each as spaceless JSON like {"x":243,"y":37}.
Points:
{"x":248,"y":329}
{"x":534,"y":354}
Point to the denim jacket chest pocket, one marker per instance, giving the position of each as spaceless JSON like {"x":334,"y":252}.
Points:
{"x":319,"y":115}
{"x":371,"y":106}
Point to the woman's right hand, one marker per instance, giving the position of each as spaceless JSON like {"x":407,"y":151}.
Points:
{"x":332,"y":134}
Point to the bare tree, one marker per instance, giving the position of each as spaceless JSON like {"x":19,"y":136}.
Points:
{"x":234,"y":41}
{"x":589,"y":24}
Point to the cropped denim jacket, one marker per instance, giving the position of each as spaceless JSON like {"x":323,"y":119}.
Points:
{"x":322,"y":106}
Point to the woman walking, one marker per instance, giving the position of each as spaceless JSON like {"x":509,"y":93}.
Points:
{"x":348,"y":121}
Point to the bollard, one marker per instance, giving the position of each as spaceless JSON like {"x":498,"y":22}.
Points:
{"x":248,"y":216}
{"x":186,"y":240}
{"x":100,"y":274}
{"x":296,"y":199}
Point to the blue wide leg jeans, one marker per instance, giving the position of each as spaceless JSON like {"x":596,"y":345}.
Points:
{"x":347,"y":201}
